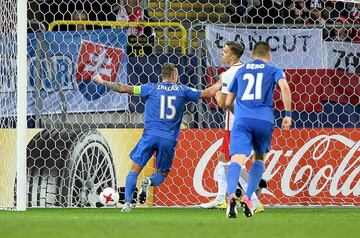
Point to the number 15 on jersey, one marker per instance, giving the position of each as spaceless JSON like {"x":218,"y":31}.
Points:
{"x":167,"y":108}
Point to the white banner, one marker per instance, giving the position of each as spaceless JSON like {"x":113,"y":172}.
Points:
{"x":291,"y":48}
{"x":343,"y":56}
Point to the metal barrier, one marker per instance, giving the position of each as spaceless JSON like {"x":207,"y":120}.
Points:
{"x":183,"y":40}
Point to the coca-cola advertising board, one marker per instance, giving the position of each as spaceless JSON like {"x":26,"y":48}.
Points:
{"x":304,"y":167}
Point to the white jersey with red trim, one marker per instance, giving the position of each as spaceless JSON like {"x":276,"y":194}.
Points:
{"x":227,"y":78}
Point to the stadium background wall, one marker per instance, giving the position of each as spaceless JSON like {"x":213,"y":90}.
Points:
{"x":319,"y":165}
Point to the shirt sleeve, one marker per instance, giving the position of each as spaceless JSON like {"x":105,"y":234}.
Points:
{"x":279,"y":74}
{"x":191,"y":94}
{"x":233,"y":88}
{"x":145,"y":90}
{"x":226,"y":81}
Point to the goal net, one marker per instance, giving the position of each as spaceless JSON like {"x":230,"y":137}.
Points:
{"x":79,"y":134}
{"x":7,"y":81}
{"x":12,"y":105}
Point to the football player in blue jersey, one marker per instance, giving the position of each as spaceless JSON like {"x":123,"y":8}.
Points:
{"x":253,"y":89}
{"x":230,"y":55}
{"x":164,"y":107}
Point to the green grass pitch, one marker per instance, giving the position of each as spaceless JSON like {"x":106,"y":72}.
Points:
{"x":184,"y":223}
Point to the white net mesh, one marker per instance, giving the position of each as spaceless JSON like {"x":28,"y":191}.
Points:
{"x":80,"y":134}
{"x":7,"y":102}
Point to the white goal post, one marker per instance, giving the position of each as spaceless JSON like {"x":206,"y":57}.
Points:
{"x":21,"y":105}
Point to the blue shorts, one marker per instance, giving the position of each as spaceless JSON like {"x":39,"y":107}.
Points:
{"x":150,"y":144}
{"x":250,"y":134}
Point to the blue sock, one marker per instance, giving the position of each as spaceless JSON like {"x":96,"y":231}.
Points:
{"x":157,"y":179}
{"x":130,"y":185}
{"x":232,"y":177}
{"x":255,"y":174}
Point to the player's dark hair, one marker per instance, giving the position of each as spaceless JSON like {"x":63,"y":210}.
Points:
{"x":261,"y":49}
{"x":167,"y":70}
{"x":236,"y":48}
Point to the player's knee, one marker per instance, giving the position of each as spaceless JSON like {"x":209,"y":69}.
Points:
{"x":221,"y":157}
{"x":158,"y":178}
{"x":238,"y":158}
{"x":136,"y":168}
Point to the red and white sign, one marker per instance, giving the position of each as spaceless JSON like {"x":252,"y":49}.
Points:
{"x":317,"y":71}
{"x":98,"y":58}
{"x":304,"y":167}
{"x":310,"y":88}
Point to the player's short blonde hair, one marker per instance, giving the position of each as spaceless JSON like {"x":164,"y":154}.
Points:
{"x":167,"y":70}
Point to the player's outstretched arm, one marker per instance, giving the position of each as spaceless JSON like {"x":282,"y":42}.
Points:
{"x":116,"y":87}
{"x":286,"y":97}
{"x":211,"y":91}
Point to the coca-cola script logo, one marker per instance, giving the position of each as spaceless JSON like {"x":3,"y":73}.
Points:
{"x":326,"y":165}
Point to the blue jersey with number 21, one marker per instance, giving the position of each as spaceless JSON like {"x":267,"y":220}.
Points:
{"x":254,"y":86}
{"x":164,"y":107}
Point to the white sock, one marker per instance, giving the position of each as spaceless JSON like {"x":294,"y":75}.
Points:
{"x":244,"y":173}
{"x":221,"y":178}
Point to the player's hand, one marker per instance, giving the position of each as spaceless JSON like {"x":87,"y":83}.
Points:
{"x":286,"y":123}
{"x":97,"y":78}
{"x":218,"y":96}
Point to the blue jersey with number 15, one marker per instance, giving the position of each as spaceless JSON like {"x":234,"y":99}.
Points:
{"x":254,"y":85}
{"x":164,"y":107}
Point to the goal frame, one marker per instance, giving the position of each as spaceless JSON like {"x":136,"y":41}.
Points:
{"x":21,"y":104}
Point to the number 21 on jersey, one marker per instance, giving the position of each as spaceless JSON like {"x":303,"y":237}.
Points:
{"x":166,"y":103}
{"x":248,"y":93}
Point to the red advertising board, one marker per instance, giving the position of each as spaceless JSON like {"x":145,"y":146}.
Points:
{"x":304,"y":167}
